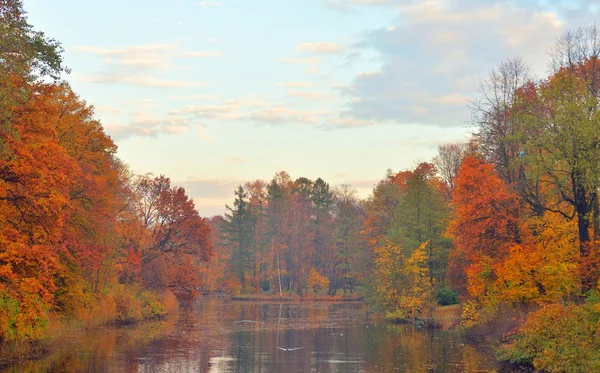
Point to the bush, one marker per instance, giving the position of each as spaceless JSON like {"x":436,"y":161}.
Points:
{"x":120,"y":304}
{"x":152,"y":308}
{"x":446,"y":296}
{"x":22,"y":319}
{"x":559,"y":338}
{"x":129,"y":308}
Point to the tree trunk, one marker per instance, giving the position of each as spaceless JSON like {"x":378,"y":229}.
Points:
{"x":583,"y":208}
{"x":596,"y":211}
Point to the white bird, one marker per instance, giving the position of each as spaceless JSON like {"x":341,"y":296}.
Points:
{"x":288,"y":349}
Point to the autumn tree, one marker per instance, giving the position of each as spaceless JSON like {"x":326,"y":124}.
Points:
{"x":215,"y":273}
{"x":26,"y":56}
{"x":257,"y":204}
{"x":493,"y":116}
{"x":177,"y":232}
{"x":278,"y":194}
{"x":486,"y":218}
{"x":447,"y":163}
{"x":35,"y":206}
{"x":402,"y":282}
{"x":324,"y":253}
{"x":381,"y":209}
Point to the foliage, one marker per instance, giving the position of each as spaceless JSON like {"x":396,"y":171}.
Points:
{"x":402,"y":283}
{"x":559,"y":338}
{"x":316,"y":282}
{"x":445,"y":296}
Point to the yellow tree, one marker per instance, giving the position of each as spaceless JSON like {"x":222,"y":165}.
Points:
{"x":402,"y":283}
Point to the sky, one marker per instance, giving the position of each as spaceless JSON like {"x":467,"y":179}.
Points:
{"x":216,"y":93}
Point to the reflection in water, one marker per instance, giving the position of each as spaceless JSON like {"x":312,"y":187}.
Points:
{"x":220,"y":336}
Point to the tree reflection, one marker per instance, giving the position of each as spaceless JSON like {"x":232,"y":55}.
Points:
{"x":218,"y":336}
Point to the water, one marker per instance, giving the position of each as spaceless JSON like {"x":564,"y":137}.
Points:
{"x":218,"y":336}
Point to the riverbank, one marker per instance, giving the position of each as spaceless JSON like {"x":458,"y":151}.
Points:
{"x":115,"y":307}
{"x":208,"y":336}
{"x":296,"y":298}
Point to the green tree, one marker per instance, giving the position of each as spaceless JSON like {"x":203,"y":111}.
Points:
{"x":324,"y":256}
{"x":237,"y":230}
{"x":26,"y":56}
{"x":350,"y":245}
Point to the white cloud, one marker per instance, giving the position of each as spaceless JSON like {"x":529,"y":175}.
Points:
{"x":300,"y":61}
{"x":209,"y":3}
{"x":138,"y":80}
{"x":320,"y":47}
{"x":201,"y":54}
{"x":134,"y":59}
{"x":310,"y":95}
{"x":349,"y":122}
{"x":295,"y":84}
{"x":283,"y":116}
{"x":429,"y":77}
{"x":148,"y":127}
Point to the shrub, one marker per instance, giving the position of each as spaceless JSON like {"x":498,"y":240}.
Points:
{"x":152,"y":308}
{"x":559,"y":338}
{"x":446,"y":296}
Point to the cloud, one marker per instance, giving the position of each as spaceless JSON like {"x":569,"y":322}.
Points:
{"x":148,"y":127}
{"x":320,"y":47}
{"x":193,"y":97}
{"x":209,"y":3}
{"x":232,"y":109}
{"x":136,"y":56}
{"x":295,"y":84}
{"x":201,"y":54}
{"x":283,"y":116}
{"x":340,"y":7}
{"x":309,"y":95}
{"x":227,"y":111}
{"x":350,"y":122}
{"x":137,"y":80}
{"x":429,"y":77}
{"x":135,"y":64}
{"x":374,"y":2}
{"x":300,"y":61}
{"x":237,"y":160}
{"x":144,"y":56}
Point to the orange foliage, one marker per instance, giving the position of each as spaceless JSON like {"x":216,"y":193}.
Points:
{"x":486,"y":220}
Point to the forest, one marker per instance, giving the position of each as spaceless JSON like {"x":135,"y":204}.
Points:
{"x":506,"y":224}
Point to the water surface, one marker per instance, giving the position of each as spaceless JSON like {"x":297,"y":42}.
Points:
{"x":218,"y":336}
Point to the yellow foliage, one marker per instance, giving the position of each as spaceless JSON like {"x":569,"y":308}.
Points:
{"x":317,"y":281}
{"x":543,"y":268}
{"x":402,"y":282}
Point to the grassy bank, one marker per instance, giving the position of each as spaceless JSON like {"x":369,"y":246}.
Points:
{"x":296,"y":298}
{"x":447,"y":317}
{"x":112,"y":307}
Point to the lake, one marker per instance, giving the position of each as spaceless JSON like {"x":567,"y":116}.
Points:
{"x":220,"y":335}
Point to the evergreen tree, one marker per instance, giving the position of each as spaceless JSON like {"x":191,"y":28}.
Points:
{"x":237,"y":231}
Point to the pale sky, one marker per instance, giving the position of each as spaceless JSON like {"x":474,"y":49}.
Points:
{"x":216,"y":93}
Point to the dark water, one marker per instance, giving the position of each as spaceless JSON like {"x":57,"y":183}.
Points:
{"x":220,"y":336}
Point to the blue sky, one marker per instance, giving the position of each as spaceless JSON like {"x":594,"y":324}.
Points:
{"x":216,"y":93}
